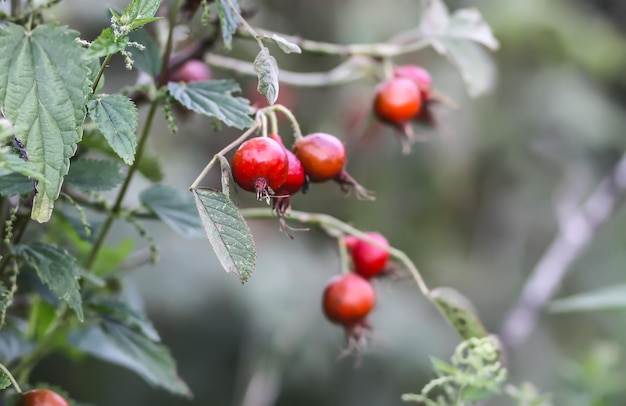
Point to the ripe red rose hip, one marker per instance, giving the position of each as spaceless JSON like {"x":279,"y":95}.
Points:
{"x":397,"y":100}
{"x":41,"y":397}
{"x":420,"y":76}
{"x":295,"y":175}
{"x":191,"y":71}
{"x":323,"y":156}
{"x":370,"y":260}
{"x":260,"y":165}
{"x":348,"y":299}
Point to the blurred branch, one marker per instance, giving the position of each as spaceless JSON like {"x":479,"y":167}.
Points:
{"x":577,"y":229}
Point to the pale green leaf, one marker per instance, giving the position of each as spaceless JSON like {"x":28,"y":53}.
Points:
{"x":227,"y":232}
{"x":43,"y":89}
{"x":57,"y":269}
{"x":285,"y":45}
{"x":15,"y":184}
{"x":228,"y":20}
{"x":610,"y":298}
{"x":139,"y":13}
{"x":228,"y":182}
{"x":94,"y":175}
{"x":175,"y":207}
{"x":147,"y":60}
{"x":5,"y":382}
{"x":10,"y":162}
{"x":116,"y":117}
{"x":266,"y":70}
{"x":459,"y":312}
{"x":214,"y":99}
{"x":106,"y":44}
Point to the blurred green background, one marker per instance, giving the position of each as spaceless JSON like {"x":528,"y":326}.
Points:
{"x":474,"y":208}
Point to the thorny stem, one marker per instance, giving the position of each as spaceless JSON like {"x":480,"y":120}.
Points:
{"x":333,"y":223}
{"x":11,"y":378}
{"x":223,"y":151}
{"x":251,"y":31}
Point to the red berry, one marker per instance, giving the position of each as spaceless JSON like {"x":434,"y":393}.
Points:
{"x":369,"y":260}
{"x":295,"y":175}
{"x":347,"y":299}
{"x":191,"y":71}
{"x":350,"y":241}
{"x":418,"y":75}
{"x":323,"y":156}
{"x":397,"y":100}
{"x":260,"y":165}
{"x":41,"y":397}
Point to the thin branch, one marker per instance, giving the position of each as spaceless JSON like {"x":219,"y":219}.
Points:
{"x":576,"y":232}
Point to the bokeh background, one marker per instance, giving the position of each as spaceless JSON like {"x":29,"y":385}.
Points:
{"x":474,"y":208}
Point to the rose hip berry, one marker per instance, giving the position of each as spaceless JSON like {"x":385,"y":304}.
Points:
{"x":41,"y":397}
{"x":260,"y":165}
{"x":348,"y":299}
{"x":295,"y":175}
{"x":323,"y":156}
{"x":419,"y":76}
{"x":370,"y":260}
{"x":397,"y":101}
{"x":192,"y":71}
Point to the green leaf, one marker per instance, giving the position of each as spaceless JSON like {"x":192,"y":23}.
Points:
{"x":266,"y":70}
{"x":285,"y":45}
{"x":139,"y":13}
{"x":10,"y":162}
{"x":94,"y":175}
{"x":458,"y":37}
{"x":228,"y":20}
{"x":126,"y":337}
{"x":116,"y":116}
{"x":175,"y":207}
{"x":106,"y":44}
{"x":227,"y":232}
{"x":147,"y":60}
{"x":13,"y":343}
{"x":5,"y":382}
{"x":459,"y":312}
{"x":228,"y":182}
{"x":43,"y":89}
{"x":442,"y":367}
{"x":15,"y":184}
{"x":610,"y":298}
{"x":214,"y":99}
{"x":57,"y":269}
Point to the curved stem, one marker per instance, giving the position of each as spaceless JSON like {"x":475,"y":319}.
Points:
{"x":273,"y":121}
{"x":251,"y":31}
{"x":11,"y":378}
{"x":224,"y":150}
{"x":331,"y":222}
{"x":344,"y":257}
{"x":294,"y":123}
{"x":163,"y":76}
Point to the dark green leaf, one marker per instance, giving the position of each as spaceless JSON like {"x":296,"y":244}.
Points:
{"x":147,"y":60}
{"x":106,"y":44}
{"x":139,"y":13}
{"x":175,"y":207}
{"x":266,"y":70}
{"x":57,"y":269}
{"x":459,"y":312}
{"x":116,"y":116}
{"x":227,"y":232}
{"x":94,"y":175}
{"x":108,"y":307}
{"x":15,"y":184}
{"x":214,"y":99}
{"x":43,"y":90}
{"x":286,"y":46}
{"x":610,"y":298}
{"x":228,"y":20}
{"x":13,"y":345}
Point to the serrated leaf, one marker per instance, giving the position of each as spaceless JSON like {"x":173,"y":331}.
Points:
{"x":228,"y":182}
{"x":108,"y":307}
{"x":139,"y":12}
{"x":228,"y":20}
{"x":610,"y":298}
{"x":147,"y":60}
{"x":116,"y":117}
{"x":175,"y":207}
{"x":57,"y":269}
{"x":106,"y":44}
{"x":15,"y":184}
{"x":285,"y":45}
{"x":458,"y":37}
{"x":266,"y":70}
{"x":119,"y":342}
{"x":459,"y":312}
{"x":94,"y":175}
{"x":43,"y":88}
{"x":214,"y":99}
{"x":227,"y":232}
